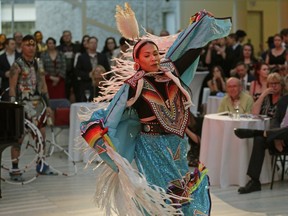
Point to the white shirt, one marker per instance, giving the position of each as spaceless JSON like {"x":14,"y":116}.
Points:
{"x":10,"y":58}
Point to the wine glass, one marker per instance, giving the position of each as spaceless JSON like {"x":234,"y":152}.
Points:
{"x":87,"y":94}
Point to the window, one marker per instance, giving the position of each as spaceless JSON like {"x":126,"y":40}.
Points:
{"x":23,"y":27}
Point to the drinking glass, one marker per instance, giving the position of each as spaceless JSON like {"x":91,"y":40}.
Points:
{"x":237,"y":111}
{"x":87,"y":95}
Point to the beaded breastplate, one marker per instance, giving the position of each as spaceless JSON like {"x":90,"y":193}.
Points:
{"x":27,"y":80}
{"x":28,"y":92}
{"x":170,"y":113}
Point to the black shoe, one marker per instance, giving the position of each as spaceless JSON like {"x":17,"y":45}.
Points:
{"x":16,"y":175}
{"x":251,"y":186}
{"x":247,"y":133}
{"x":277,"y":133}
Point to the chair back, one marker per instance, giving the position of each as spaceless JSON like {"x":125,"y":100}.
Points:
{"x":61,"y":108}
{"x":278,"y":158}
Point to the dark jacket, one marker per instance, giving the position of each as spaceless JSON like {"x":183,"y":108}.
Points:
{"x":281,"y":110}
{"x":82,"y":70}
{"x":5,"y":66}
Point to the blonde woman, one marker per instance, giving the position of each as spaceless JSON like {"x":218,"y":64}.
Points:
{"x":267,"y":102}
{"x":96,"y":76}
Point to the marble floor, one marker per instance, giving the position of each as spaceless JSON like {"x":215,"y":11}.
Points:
{"x":73,"y":196}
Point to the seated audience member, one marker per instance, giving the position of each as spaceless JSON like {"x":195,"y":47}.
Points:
{"x":259,"y":85}
{"x":235,"y":97}
{"x":241,"y":72}
{"x":217,"y":82}
{"x":275,"y":138}
{"x":267,"y":102}
{"x":247,"y":56}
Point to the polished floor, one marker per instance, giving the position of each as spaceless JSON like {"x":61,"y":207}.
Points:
{"x":73,"y":196}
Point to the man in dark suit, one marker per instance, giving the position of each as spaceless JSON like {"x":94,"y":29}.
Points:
{"x":86,"y":63}
{"x":6,"y":60}
{"x":275,"y":139}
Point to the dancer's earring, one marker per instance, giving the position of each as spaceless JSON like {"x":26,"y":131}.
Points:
{"x":136,"y":66}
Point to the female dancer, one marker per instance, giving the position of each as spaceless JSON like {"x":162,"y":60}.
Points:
{"x":147,"y":121}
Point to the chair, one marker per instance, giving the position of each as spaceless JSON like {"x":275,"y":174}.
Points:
{"x":61,"y":108}
{"x":278,"y":157}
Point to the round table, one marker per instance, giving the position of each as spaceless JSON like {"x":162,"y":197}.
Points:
{"x":225,"y":155}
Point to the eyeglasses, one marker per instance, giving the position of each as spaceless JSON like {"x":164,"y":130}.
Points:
{"x":274,"y":83}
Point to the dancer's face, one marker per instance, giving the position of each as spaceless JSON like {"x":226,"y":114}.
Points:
{"x":28,"y":49}
{"x":149,"y":58}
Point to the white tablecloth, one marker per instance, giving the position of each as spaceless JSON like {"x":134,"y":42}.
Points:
{"x":213,"y":103}
{"x":225,"y":155}
{"x":76,"y":153}
{"x":195,"y":87}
